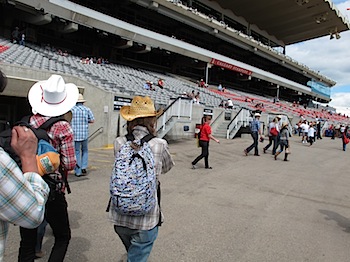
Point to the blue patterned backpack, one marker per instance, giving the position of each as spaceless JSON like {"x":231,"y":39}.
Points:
{"x":133,"y":181}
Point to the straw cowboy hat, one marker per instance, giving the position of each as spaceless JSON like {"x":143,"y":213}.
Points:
{"x":284,"y":124}
{"x":52,"y":97}
{"x":81,"y":99}
{"x":139,"y":107}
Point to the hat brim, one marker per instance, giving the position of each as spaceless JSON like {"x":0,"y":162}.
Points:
{"x":81,"y":101}
{"x":45,"y":109}
{"x":125,"y":113}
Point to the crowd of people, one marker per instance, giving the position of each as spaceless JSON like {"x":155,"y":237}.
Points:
{"x":149,"y":85}
{"x":94,"y":60}
{"x":33,"y":194}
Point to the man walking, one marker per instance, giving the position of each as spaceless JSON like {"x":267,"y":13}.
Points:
{"x":51,"y":98}
{"x":81,"y":118}
{"x":255,"y":132}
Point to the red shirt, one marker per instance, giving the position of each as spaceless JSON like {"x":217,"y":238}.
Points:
{"x":205,"y":132}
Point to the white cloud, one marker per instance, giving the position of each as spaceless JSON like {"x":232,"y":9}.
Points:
{"x":341,"y":100}
{"x":330,"y":57}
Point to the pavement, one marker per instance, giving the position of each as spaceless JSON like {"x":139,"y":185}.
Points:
{"x":247,"y":208}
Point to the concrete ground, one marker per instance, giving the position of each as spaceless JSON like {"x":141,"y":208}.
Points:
{"x":244,"y":209}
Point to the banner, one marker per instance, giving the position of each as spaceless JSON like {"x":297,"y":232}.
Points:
{"x":230,"y":67}
{"x":319,"y":88}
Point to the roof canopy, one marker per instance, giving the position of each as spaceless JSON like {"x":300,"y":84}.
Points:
{"x":291,"y":21}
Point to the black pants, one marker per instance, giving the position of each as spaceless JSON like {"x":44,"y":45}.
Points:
{"x":205,"y":153}
{"x":56,"y":215}
{"x":255,"y":143}
{"x":275,"y":144}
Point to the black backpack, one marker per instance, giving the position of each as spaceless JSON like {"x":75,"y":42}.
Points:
{"x":40,"y":133}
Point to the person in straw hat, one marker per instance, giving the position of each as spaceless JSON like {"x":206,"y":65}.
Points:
{"x":255,"y":132}
{"x":138,"y":233}
{"x":284,"y":142}
{"x":23,"y":192}
{"x":53,"y":98}
{"x":82,"y":116}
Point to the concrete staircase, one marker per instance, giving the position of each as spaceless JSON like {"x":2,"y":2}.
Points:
{"x":221,"y":130}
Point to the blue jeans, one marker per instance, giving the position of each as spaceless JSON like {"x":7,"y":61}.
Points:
{"x":82,"y":155}
{"x":138,"y":243}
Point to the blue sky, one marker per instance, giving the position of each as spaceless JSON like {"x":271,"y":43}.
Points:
{"x":330,"y":57}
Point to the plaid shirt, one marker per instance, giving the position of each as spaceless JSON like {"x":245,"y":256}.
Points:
{"x":82,"y":116}
{"x":163,"y":163}
{"x":22,"y":198}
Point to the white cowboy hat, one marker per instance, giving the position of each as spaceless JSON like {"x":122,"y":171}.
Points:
{"x":81,"y":99}
{"x":52,"y":97}
{"x":257,"y":115}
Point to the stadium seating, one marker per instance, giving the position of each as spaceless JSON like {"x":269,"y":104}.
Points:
{"x":130,"y":81}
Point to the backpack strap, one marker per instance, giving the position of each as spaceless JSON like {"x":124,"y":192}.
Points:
{"x":46,"y":125}
{"x":147,"y":138}
{"x":130,"y":137}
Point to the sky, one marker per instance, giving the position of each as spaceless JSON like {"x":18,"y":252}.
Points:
{"x":331,"y":58}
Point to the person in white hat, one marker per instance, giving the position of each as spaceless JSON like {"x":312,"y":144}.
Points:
{"x":53,"y":98}
{"x":255,"y":132}
{"x":82,"y":116}
{"x":138,"y":233}
{"x":23,"y":192}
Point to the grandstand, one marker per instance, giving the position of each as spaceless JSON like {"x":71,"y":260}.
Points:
{"x":239,"y":44}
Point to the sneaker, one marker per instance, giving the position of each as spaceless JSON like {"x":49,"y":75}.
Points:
{"x":264,"y":151}
{"x":245,"y":152}
{"x":83,"y":171}
{"x":209,"y":167}
{"x":194,"y":167}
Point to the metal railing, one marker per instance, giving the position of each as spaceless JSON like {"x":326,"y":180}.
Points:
{"x":241,"y":118}
{"x":95,"y":133}
{"x":179,"y":108}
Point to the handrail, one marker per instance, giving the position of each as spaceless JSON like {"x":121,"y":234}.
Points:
{"x":179,"y":108}
{"x":99,"y":130}
{"x":243,"y":114}
{"x":228,"y":126}
{"x":213,"y":122}
{"x":171,"y":104}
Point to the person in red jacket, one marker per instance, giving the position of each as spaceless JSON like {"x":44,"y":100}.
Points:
{"x":204,"y":138}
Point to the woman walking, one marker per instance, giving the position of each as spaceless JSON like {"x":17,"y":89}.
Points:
{"x":345,"y":137}
{"x":284,"y":142}
{"x":273,"y":135}
{"x":204,"y":138}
